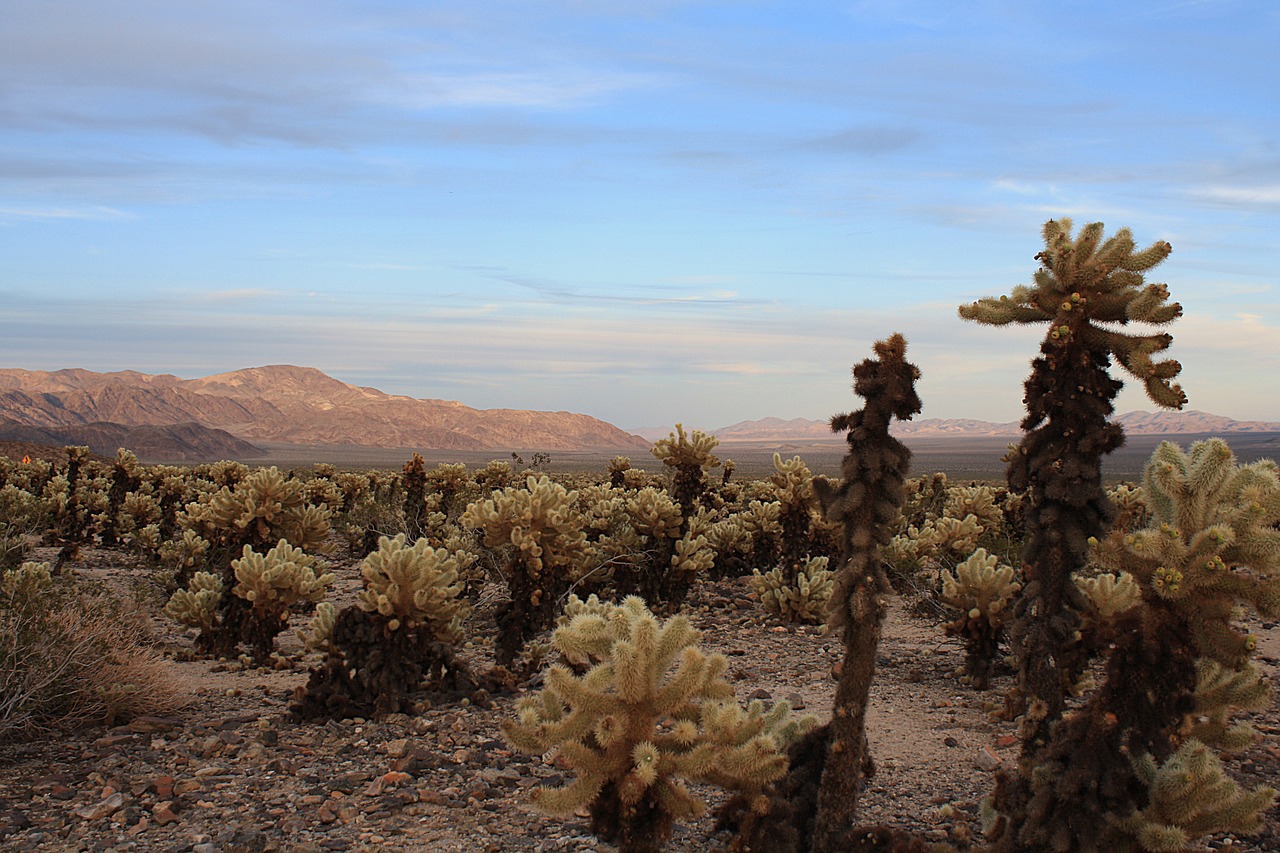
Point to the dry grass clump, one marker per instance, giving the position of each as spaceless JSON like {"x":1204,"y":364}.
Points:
{"x":71,"y":655}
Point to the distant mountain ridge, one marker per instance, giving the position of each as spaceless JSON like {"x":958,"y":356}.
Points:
{"x":291,"y":405}
{"x":168,"y":443}
{"x":1134,"y":423}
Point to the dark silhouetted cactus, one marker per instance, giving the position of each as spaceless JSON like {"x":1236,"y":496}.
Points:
{"x":1087,"y":291}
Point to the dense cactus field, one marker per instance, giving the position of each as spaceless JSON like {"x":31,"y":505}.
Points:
{"x":221,"y":657}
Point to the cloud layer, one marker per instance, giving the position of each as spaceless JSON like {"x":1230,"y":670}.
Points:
{"x":647,"y":211}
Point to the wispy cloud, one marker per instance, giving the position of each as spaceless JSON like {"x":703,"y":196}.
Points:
{"x":1254,"y":196}
{"x":381,"y":265}
{"x":95,"y":213}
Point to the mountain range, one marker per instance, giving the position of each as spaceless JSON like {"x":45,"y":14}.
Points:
{"x":1134,"y":423}
{"x":164,"y":417}
{"x":289,"y":405}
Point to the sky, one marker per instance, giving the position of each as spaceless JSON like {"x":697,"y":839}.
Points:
{"x":648,"y":211}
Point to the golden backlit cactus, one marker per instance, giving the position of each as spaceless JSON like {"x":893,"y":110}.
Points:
{"x":797,"y":596}
{"x":275,"y":581}
{"x":272,"y":583}
{"x":618,"y":468}
{"x":691,"y":457}
{"x":1131,"y":506}
{"x":1221,"y":692}
{"x":318,"y":633}
{"x":397,"y":638}
{"x":1175,"y":665}
{"x":1190,"y":795}
{"x":651,"y":713}
{"x":1088,"y":292}
{"x":1109,"y":595}
{"x":652,"y":512}
{"x":947,"y":536}
{"x":183,"y":555}
{"x":681,"y":449}
{"x":1212,"y":543}
{"x":414,"y":585}
{"x":541,"y":530}
{"x":1086,"y":287}
{"x":982,"y":590}
{"x":978,"y":501}
{"x":538,"y":519}
{"x":197,"y":605}
{"x":260,"y":509}
{"x":25,"y":581}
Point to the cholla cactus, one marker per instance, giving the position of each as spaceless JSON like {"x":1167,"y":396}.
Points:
{"x":318,"y":633}
{"x":733,"y":546}
{"x":24,"y":582}
{"x":1110,"y":595}
{"x":797,"y":505}
{"x":666,"y":554}
{"x":1190,"y":796}
{"x":1212,"y":546}
{"x":1131,"y":506}
{"x":494,"y":475}
{"x":414,"y":586}
{"x":654,"y":514}
{"x":261,"y":509}
{"x":21,"y":516}
{"x":1221,"y":692}
{"x":1088,"y":291}
{"x":272,"y":583}
{"x":800,"y":595}
{"x":544,"y":529}
{"x":982,"y":590}
{"x":401,"y":631}
{"x":1212,"y":543}
{"x":691,"y":457}
{"x":633,"y":730}
{"x":866,"y":503}
{"x":947,"y":537}
{"x":182,"y":556}
{"x":977,"y":501}
{"x":618,"y":468}
{"x":197,"y":606}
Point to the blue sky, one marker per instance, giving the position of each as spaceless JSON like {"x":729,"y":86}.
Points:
{"x":649,"y":211}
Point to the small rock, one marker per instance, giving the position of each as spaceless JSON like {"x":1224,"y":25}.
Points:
{"x":397,"y":748}
{"x":165,"y":813}
{"x":760,"y":693}
{"x":187,"y":786}
{"x":951,"y":742}
{"x":987,"y":760}
{"x":796,"y":701}
{"x":103,"y":808}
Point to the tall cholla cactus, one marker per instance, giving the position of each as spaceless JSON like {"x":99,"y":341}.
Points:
{"x":1177,"y":667}
{"x":545,"y":527}
{"x":866,"y":503}
{"x":1087,"y":291}
{"x":401,"y":630}
{"x":633,"y":730}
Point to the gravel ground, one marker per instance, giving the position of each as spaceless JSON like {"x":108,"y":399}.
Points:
{"x":233,"y":773}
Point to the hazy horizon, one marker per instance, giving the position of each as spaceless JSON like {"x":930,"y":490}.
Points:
{"x":649,"y":212}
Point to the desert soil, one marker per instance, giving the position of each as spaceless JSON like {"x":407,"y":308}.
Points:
{"x":232,"y":772}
